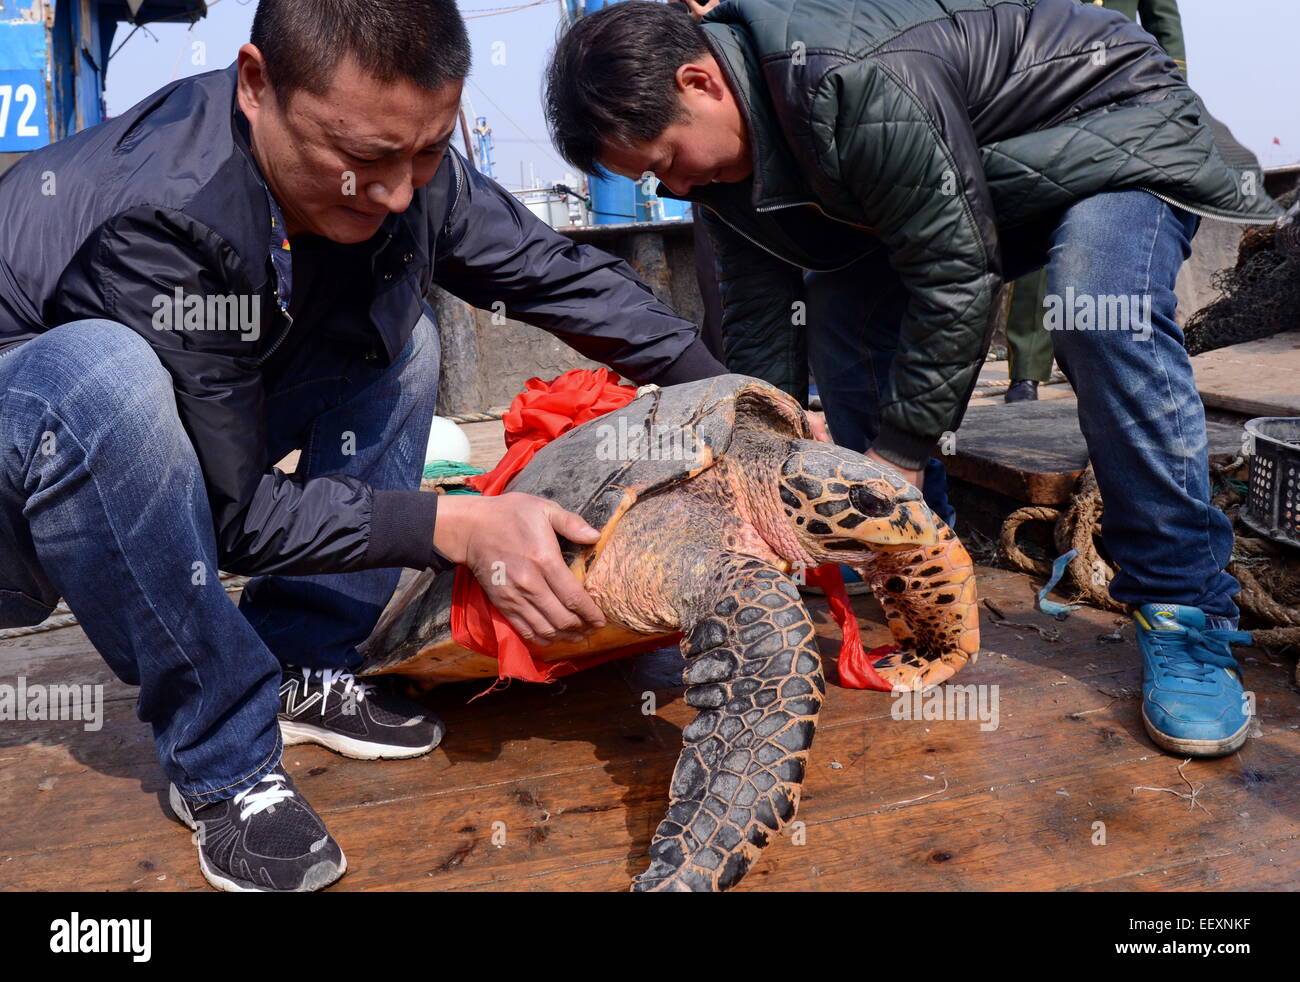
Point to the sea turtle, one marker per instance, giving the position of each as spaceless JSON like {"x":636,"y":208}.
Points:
{"x":707,"y":496}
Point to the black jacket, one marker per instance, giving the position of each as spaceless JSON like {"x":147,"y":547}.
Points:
{"x":168,"y":196}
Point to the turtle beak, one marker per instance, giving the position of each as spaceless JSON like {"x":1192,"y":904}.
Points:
{"x":911,"y":523}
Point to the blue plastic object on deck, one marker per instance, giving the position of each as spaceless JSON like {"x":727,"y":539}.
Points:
{"x":1058,"y":610}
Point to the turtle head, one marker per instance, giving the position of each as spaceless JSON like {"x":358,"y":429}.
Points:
{"x":843,"y":506}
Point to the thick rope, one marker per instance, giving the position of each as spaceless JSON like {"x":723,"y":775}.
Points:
{"x":1269,"y":576}
{"x":448,"y":477}
{"x":1078,"y":527}
{"x":471,"y":417}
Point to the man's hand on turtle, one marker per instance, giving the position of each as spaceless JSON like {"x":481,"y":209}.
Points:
{"x":509,"y":543}
{"x":914,"y":478}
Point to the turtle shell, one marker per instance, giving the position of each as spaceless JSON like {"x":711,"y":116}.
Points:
{"x":666,"y":436}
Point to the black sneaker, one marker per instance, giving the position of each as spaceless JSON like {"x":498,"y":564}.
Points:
{"x":330,"y":707}
{"x":265,"y":839}
{"x":1022,"y":390}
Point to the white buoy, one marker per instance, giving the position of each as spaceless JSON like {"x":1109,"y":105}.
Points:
{"x":447,"y":441}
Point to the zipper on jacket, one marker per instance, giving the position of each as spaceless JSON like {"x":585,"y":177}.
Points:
{"x":374,"y":256}
{"x":455,"y":199}
{"x":802,"y":204}
{"x":280,"y":340}
{"x":1203,"y":213}
{"x":773,"y":252}
{"x":796,"y":204}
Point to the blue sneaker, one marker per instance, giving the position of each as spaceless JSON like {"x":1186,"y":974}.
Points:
{"x":1193,"y":703}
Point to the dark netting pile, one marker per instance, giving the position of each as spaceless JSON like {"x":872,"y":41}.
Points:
{"x":1261,"y":294}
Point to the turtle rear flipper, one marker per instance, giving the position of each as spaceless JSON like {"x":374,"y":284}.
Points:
{"x":755,"y":674}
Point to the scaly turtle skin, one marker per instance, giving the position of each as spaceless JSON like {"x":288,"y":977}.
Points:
{"x":700,"y":540}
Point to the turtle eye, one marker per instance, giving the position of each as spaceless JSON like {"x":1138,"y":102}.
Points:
{"x":868,"y":502}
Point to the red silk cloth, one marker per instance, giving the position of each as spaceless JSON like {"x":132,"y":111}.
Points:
{"x":539,"y":414}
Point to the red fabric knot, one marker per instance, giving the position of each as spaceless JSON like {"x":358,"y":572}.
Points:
{"x":544,"y":410}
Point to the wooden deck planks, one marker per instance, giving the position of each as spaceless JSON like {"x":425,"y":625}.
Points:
{"x":579,"y":776}
{"x":1034,"y":451}
{"x":1255,"y":378}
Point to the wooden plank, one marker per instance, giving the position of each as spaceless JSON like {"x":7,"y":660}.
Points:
{"x":487,"y":443}
{"x":578,"y":777}
{"x":992,"y":792}
{"x":987,"y":829}
{"x":971,"y":842}
{"x":1034,"y":451}
{"x":1266,"y":865}
{"x":526,"y":732}
{"x":1008,"y":835}
{"x":1254,"y":378}
{"x":446,"y":842}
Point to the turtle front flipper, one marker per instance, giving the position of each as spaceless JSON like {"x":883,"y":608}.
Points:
{"x":755,"y":674}
{"x":928,"y":595}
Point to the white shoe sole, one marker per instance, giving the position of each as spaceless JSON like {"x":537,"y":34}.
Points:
{"x":221,"y":881}
{"x":294,"y":734}
{"x":1197,"y":748}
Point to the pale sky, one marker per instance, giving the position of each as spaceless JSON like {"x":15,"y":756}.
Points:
{"x":1242,"y":59}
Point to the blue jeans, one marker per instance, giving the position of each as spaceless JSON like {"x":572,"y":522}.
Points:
{"x":1138,"y":406}
{"x":102,"y":502}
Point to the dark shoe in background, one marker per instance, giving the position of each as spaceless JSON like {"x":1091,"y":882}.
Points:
{"x":1022,"y":390}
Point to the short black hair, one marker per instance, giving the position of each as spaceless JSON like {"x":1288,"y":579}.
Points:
{"x":611,"y":78}
{"x":302,"y":41}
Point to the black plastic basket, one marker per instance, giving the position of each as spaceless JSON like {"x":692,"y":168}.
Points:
{"x":1272,"y":505}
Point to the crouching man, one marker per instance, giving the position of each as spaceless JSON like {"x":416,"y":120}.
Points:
{"x":233,"y":269}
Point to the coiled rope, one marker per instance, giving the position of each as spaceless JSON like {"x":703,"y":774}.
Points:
{"x":1268,"y":573}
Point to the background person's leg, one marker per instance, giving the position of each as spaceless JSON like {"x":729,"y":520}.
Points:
{"x":355,"y":417}
{"x":102,"y":502}
{"x":1029,"y":346}
{"x":854,"y":316}
{"x":1138,"y":405}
